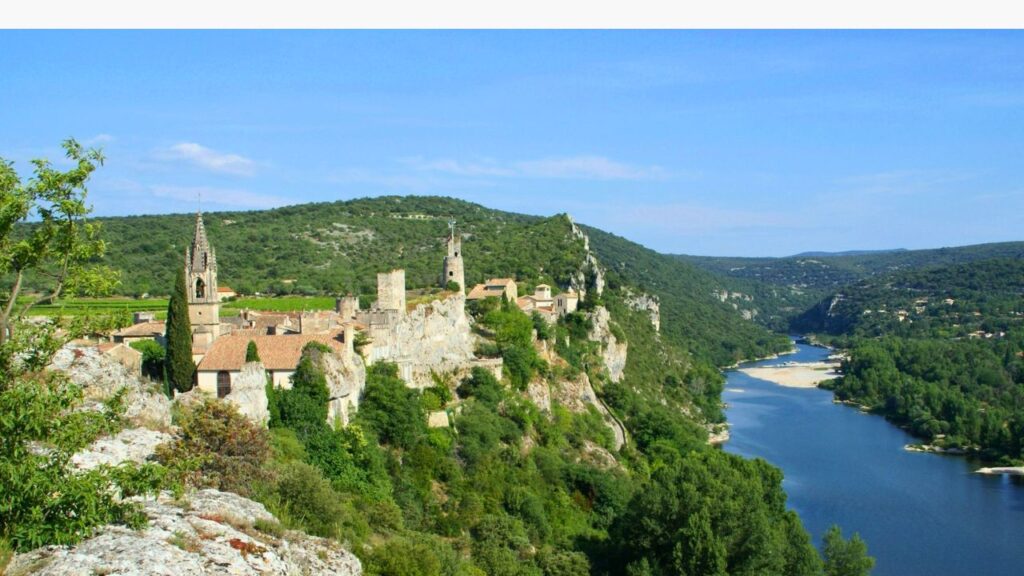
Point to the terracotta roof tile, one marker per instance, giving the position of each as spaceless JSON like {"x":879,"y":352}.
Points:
{"x":142,"y":329}
{"x":276,"y":352}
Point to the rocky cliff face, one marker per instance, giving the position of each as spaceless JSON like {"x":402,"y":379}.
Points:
{"x":590,"y":264}
{"x":613,"y":352}
{"x":249,"y":392}
{"x":433,"y":337}
{"x":101,"y":377}
{"x":346,"y":379}
{"x":210,"y":532}
{"x":646,"y":303}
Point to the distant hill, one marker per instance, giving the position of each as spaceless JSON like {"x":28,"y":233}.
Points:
{"x":339,"y":247}
{"x":846,"y":253}
{"x":948,"y":301}
{"x":784,"y":288}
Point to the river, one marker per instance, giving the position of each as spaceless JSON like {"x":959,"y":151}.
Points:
{"x":919,"y":513}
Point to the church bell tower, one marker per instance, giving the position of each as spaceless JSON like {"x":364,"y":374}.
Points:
{"x":203,"y":299}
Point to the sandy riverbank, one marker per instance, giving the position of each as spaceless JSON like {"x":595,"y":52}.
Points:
{"x":807,"y":375}
{"x":1011,"y":470}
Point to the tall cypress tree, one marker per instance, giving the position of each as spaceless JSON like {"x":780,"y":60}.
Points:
{"x":252,"y":354}
{"x":180,"y":368}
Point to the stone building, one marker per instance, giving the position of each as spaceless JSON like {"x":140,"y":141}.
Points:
{"x":496,"y":287}
{"x":453,"y":270}
{"x":203,"y":298}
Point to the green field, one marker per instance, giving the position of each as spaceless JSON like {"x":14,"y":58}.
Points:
{"x":78,"y":306}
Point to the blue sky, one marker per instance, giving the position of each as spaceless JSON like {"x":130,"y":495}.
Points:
{"x":721,"y":143}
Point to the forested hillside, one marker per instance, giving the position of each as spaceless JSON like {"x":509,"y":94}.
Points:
{"x":339,"y":247}
{"x":783,"y":288}
{"x":937,"y":349}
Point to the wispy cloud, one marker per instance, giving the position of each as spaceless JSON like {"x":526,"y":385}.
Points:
{"x":567,"y":167}
{"x":212,"y":160}
{"x":228,"y":197}
{"x":98,"y":139}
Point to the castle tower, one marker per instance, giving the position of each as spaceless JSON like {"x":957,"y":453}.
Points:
{"x":201,"y":274}
{"x":391,"y":291}
{"x":453,"y":270}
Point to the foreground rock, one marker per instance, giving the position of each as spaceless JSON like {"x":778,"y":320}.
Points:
{"x":210,"y":533}
{"x":101,"y":378}
{"x":135,"y":445}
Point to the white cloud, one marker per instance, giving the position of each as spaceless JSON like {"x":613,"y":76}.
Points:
{"x":98,"y":139}
{"x":208,"y":159}
{"x":206,"y":196}
{"x":568,"y":167}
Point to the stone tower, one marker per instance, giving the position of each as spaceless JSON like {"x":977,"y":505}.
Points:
{"x":391,"y":291}
{"x":453,"y":270}
{"x":201,"y":274}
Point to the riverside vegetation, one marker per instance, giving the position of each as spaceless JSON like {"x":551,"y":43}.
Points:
{"x":510,"y":489}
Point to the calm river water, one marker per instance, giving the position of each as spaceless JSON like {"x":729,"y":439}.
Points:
{"x":919,"y":513}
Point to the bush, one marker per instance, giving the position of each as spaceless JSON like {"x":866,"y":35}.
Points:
{"x":218,"y":448}
{"x":390,"y":408}
{"x":309,"y":500}
{"x":153,"y":357}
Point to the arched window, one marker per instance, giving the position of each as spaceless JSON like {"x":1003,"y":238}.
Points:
{"x":223,"y":383}
{"x":200,"y":288}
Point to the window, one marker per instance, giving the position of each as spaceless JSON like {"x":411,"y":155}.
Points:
{"x":223,"y":383}
{"x":200,"y":288}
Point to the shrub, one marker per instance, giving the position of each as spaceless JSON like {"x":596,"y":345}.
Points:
{"x":218,"y":448}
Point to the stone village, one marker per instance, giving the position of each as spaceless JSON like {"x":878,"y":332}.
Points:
{"x":423,"y":340}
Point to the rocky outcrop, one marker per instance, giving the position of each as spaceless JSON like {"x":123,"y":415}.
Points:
{"x":102,"y":377}
{"x":578,"y":282}
{"x":130,"y":445}
{"x":646,"y":303}
{"x":577,"y":395}
{"x":613,"y":352}
{"x":432,"y":338}
{"x":249,"y":392}
{"x":346,"y":379}
{"x":210,"y":533}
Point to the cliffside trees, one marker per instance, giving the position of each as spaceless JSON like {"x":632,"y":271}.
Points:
{"x":180,"y":368}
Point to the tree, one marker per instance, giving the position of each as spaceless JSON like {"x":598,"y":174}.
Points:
{"x":180,"y":367}
{"x":846,"y":557}
{"x":45,"y":500}
{"x":58,"y":248}
{"x":252,"y":354}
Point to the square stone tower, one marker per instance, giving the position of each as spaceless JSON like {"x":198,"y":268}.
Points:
{"x":201,"y":275}
{"x":391,"y":291}
{"x":453,"y":270}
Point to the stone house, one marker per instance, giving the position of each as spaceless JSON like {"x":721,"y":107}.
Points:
{"x":496,"y":287}
{"x":280,"y":355}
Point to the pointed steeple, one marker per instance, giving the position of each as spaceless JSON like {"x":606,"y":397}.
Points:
{"x":200,"y":254}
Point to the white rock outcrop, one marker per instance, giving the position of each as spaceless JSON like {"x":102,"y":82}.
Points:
{"x":249,"y":392}
{"x":212,"y":533}
{"x":346,"y":380}
{"x":646,"y":303}
{"x":613,"y":352}
{"x":101,"y":377}
{"x":130,"y":445}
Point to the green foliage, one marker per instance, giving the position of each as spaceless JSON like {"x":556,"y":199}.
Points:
{"x":966,"y":394}
{"x":513,"y":334}
{"x":217,"y":448}
{"x":180,"y":368}
{"x":303,"y":408}
{"x":483,"y":386}
{"x":845,"y":557}
{"x":390,"y":408}
{"x":58,"y":252}
{"x":153,"y":358}
{"x":452,"y":286}
{"x":251,"y":353}
{"x":45,"y":500}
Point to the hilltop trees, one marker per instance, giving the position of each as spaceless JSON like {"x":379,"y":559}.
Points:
{"x":180,"y":368}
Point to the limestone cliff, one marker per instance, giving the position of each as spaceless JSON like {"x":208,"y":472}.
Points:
{"x":590,"y":265}
{"x":346,"y":379}
{"x":646,"y":303}
{"x":432,"y":337}
{"x":613,"y":352}
{"x":209,"y":532}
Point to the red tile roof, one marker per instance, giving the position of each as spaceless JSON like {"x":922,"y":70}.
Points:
{"x":142,"y":329}
{"x":276,"y":352}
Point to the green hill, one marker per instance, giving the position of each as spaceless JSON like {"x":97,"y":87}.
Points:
{"x":338,"y":247}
